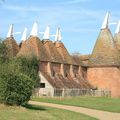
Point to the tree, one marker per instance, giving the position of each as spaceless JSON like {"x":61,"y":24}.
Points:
{"x":15,"y":88}
{"x":27,"y":66}
{"x":18,"y":77}
{"x":3,"y":52}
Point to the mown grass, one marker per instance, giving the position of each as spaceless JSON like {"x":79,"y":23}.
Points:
{"x":32,"y":112}
{"x":99,"y":103}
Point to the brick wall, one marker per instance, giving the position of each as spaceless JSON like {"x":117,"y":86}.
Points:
{"x":105,"y":78}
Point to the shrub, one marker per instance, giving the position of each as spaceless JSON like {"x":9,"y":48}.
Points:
{"x":18,"y":77}
{"x":27,"y":66}
{"x":15,"y":88}
{"x":3,"y":52}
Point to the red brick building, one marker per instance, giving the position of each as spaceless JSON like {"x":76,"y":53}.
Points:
{"x":58,"y":69}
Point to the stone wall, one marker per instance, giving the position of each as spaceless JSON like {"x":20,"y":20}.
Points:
{"x":105,"y":78}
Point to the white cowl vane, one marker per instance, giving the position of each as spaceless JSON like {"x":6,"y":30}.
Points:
{"x":10,"y":31}
{"x":24,"y":35}
{"x":34,"y":31}
{"x":106,"y":21}
{"x":58,"y":36}
{"x":118,"y":28}
{"x":47,"y":33}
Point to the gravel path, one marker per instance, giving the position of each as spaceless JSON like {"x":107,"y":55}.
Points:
{"x":101,"y":115}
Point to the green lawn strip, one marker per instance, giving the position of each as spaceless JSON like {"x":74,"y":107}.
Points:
{"x":99,"y":103}
{"x":33,"y":112}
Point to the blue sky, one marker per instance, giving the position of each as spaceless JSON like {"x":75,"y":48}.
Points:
{"x":80,"y":20}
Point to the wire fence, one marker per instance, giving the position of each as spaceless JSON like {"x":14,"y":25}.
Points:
{"x":71,"y":92}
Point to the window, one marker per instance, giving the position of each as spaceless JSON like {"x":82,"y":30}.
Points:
{"x":53,"y":74}
{"x":75,"y":75}
{"x":42,"y":85}
{"x":66,"y":74}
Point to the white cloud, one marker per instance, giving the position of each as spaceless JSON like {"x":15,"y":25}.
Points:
{"x":24,"y":8}
{"x":75,"y":1}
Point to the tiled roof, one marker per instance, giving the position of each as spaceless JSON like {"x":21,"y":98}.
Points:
{"x":84,"y":60}
{"x":34,"y":47}
{"x":84,"y":57}
{"x":117,"y":40}
{"x":77,"y":60}
{"x":64,"y":53}
{"x":52,"y":51}
{"x":13,"y":47}
{"x":104,"y":52}
{"x":58,"y":81}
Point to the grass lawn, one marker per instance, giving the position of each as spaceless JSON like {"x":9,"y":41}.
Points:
{"x":32,"y":112}
{"x":100,"y":103}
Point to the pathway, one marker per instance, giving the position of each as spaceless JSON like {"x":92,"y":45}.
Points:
{"x":101,"y":115}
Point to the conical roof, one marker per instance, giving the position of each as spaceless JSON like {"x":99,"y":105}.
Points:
{"x":12,"y":46}
{"x":63,"y":52}
{"x":117,"y":36}
{"x":104,"y":52}
{"x":117,"y":40}
{"x":52,"y":51}
{"x":34,"y":47}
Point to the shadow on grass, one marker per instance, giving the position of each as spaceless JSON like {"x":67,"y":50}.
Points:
{"x":34,"y":107}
